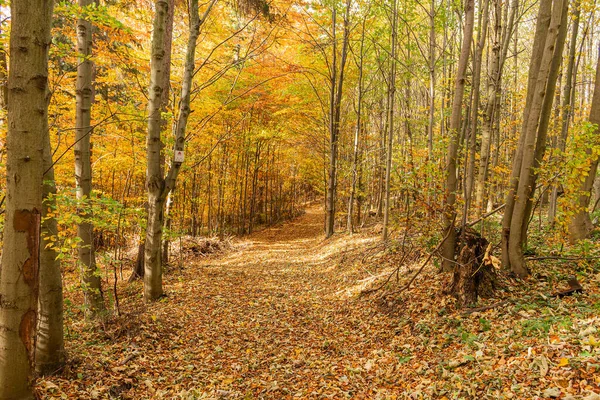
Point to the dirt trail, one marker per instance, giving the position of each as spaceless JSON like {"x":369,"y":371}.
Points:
{"x":265,"y":322}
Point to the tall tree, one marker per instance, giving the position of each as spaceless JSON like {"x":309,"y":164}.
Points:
{"x":160,"y":186}
{"x":502,"y":38}
{"x":154,"y":172}
{"x":449,"y":214}
{"x":546,"y":57}
{"x":84,"y":93}
{"x":335,"y":104}
{"x":27,"y":128}
{"x":359,"y":101}
{"x":567,"y":101}
{"x":474,"y":123}
{"x":390,"y":110}
{"x":139,"y":270}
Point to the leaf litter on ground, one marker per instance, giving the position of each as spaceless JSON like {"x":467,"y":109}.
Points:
{"x":278,"y":315}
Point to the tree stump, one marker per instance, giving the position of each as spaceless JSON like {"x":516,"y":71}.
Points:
{"x":473,"y":275}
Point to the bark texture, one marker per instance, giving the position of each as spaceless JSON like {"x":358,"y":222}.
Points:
{"x":154,"y":172}
{"x":92,"y":288}
{"x":27,"y":128}
{"x":567,"y":103}
{"x":49,"y":345}
{"x":548,"y":46}
{"x":159,"y":187}
{"x":359,"y":101}
{"x":449,"y":215}
{"x":472,"y":277}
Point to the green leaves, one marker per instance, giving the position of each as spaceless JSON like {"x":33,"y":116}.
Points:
{"x":103,"y":212}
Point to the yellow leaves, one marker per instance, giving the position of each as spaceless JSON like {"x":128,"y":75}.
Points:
{"x":563,"y":362}
{"x":227,"y":381}
{"x":592,"y":341}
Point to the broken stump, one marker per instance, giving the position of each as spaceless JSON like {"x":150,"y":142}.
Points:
{"x":472,"y":276}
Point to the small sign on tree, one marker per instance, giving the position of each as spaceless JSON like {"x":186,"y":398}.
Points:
{"x":179,"y":156}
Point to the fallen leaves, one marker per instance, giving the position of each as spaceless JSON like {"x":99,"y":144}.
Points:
{"x":277,"y":317}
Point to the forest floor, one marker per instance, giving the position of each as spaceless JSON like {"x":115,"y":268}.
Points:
{"x":279,"y":316}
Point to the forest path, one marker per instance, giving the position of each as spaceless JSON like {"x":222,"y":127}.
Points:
{"x":277,"y":318}
{"x":266,"y":321}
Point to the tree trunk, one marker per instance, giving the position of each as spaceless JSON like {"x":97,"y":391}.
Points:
{"x":477,"y":61}
{"x":164,"y":254}
{"x":568,"y":95}
{"x":500,"y":46}
{"x":337,"y":82}
{"x":449,"y":214}
{"x":390,"y":110}
{"x":534,"y":136}
{"x":49,"y":352}
{"x":543,"y":21}
{"x":27,"y":129}
{"x":596,"y":187}
{"x":159,"y":187}
{"x":91,"y":282}
{"x":580,"y":225}
{"x":154,"y":173}
{"x":3,"y":82}
{"x":349,"y":225}
{"x":432,"y":82}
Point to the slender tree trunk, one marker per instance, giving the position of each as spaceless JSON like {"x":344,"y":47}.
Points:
{"x":337,"y":83}
{"x":154,"y":173}
{"x":27,"y":129}
{"x":49,"y":352}
{"x":3,"y":82}
{"x":164,"y":254}
{"x":543,"y":21}
{"x":596,"y":186}
{"x":500,"y":47}
{"x":331,"y":175}
{"x":359,"y":100}
{"x":477,"y":61}
{"x":534,"y":140}
{"x":432,"y":81}
{"x":449,"y":214}
{"x":159,"y":187}
{"x":568,"y":95}
{"x":580,"y":225}
{"x":390,"y":110}
{"x":209,"y":224}
{"x":92,"y":286}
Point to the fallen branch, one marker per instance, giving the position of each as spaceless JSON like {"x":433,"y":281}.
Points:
{"x":405,"y":287}
{"x":494,"y":211}
{"x":574,"y":287}
{"x":562,"y":258}
{"x":485,"y":308}
{"x":395,"y":271}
